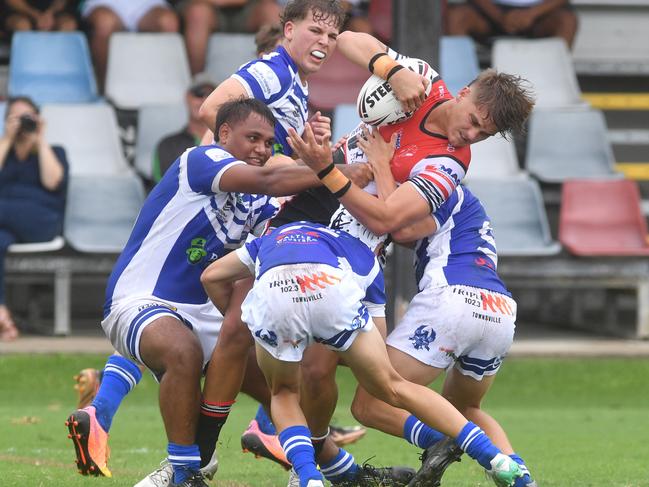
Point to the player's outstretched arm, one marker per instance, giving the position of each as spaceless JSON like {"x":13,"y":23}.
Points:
{"x":219,"y":277}
{"x":402,"y":207}
{"x":282,"y":179}
{"x":379,"y":154}
{"x":229,"y":90}
{"x":368,"y":52}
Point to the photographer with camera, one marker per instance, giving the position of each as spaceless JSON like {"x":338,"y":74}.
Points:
{"x":33,"y":178}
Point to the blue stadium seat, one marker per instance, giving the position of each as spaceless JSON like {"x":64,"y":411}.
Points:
{"x":146,"y":69}
{"x":458,"y":61}
{"x":90,"y":136}
{"x":568,"y":144}
{"x":226,"y":52}
{"x":493,"y":158}
{"x":518,"y":217}
{"x":100,"y":212}
{"x":546,"y":64}
{"x":52,"y":67}
{"x":154,"y":123}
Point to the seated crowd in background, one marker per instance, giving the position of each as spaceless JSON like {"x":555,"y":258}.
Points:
{"x":482,"y":19}
{"x":196,"y":19}
{"x":172,"y":145}
{"x":44,"y":15}
{"x":33,"y":178}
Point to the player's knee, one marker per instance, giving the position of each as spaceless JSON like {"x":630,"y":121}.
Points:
{"x":362,"y":411}
{"x":235,"y":336}
{"x":284,"y":388}
{"x":316,"y":373}
{"x":388,"y":391}
{"x":184,"y":356}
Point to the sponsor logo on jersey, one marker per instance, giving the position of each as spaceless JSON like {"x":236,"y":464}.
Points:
{"x":422,"y":338}
{"x":267,"y":336}
{"x":448,"y":352}
{"x":266,"y":77}
{"x":496,"y":303}
{"x":358,"y":323}
{"x":397,"y":143}
{"x":315,"y":281}
{"x":450,"y":173}
{"x":488,"y":318}
{"x":482,"y":262}
{"x":151,"y":305}
{"x":450,"y":148}
{"x":196,"y":252}
{"x":297,"y":238}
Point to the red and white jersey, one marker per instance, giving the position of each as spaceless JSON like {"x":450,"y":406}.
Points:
{"x":423,"y":158}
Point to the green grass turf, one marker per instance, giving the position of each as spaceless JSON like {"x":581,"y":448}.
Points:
{"x":576,"y":422}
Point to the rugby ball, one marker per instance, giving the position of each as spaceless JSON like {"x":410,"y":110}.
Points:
{"x":376,"y":103}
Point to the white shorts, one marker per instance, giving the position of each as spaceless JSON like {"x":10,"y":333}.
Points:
{"x":128,"y":319}
{"x":130,"y":12}
{"x":285,"y":317}
{"x":470,"y":327}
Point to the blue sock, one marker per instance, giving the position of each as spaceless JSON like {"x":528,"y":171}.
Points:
{"x":526,"y":478}
{"x":420,"y":434}
{"x":265,"y":423}
{"x":185,"y":459}
{"x":343,"y":468}
{"x":120,"y":377}
{"x":296,"y":443}
{"x":477,"y":444}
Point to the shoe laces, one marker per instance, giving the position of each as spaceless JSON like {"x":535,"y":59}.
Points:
{"x":196,"y":480}
{"x":163,"y":475}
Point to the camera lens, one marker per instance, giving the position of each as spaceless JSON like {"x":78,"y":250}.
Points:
{"x":27,"y":124}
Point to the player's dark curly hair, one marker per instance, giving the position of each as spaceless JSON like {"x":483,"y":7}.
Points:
{"x":507,"y":98}
{"x":237,"y":111}
{"x":330,"y":12}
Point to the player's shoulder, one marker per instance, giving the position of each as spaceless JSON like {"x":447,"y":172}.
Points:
{"x":444,"y":150}
{"x":274,"y":65}
{"x":212,"y":152}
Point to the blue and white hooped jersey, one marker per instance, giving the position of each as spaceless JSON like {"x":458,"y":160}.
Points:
{"x":463,"y":250}
{"x":186,"y":223}
{"x":304,"y":242}
{"x":274,"y":79}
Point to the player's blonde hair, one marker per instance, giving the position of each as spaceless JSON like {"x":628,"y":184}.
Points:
{"x":507,"y":98}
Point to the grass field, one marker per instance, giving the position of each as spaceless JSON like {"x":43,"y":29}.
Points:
{"x":576,"y":422}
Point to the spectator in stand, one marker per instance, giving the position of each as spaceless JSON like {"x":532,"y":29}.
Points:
{"x":107,"y":16}
{"x":358,"y":16}
{"x":33,"y":178}
{"x":267,"y":38}
{"x":44,"y":15}
{"x":530,"y":18}
{"x":173,"y":145}
{"x":202,"y":17}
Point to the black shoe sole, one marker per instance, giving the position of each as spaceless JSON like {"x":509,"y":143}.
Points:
{"x":252,"y":444}
{"x":78,"y":424}
{"x":431,"y":472}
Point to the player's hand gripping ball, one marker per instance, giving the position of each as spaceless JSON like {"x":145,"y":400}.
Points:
{"x":376,"y":103}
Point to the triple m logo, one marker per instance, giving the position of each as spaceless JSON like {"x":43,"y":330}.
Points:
{"x":314,"y":282}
